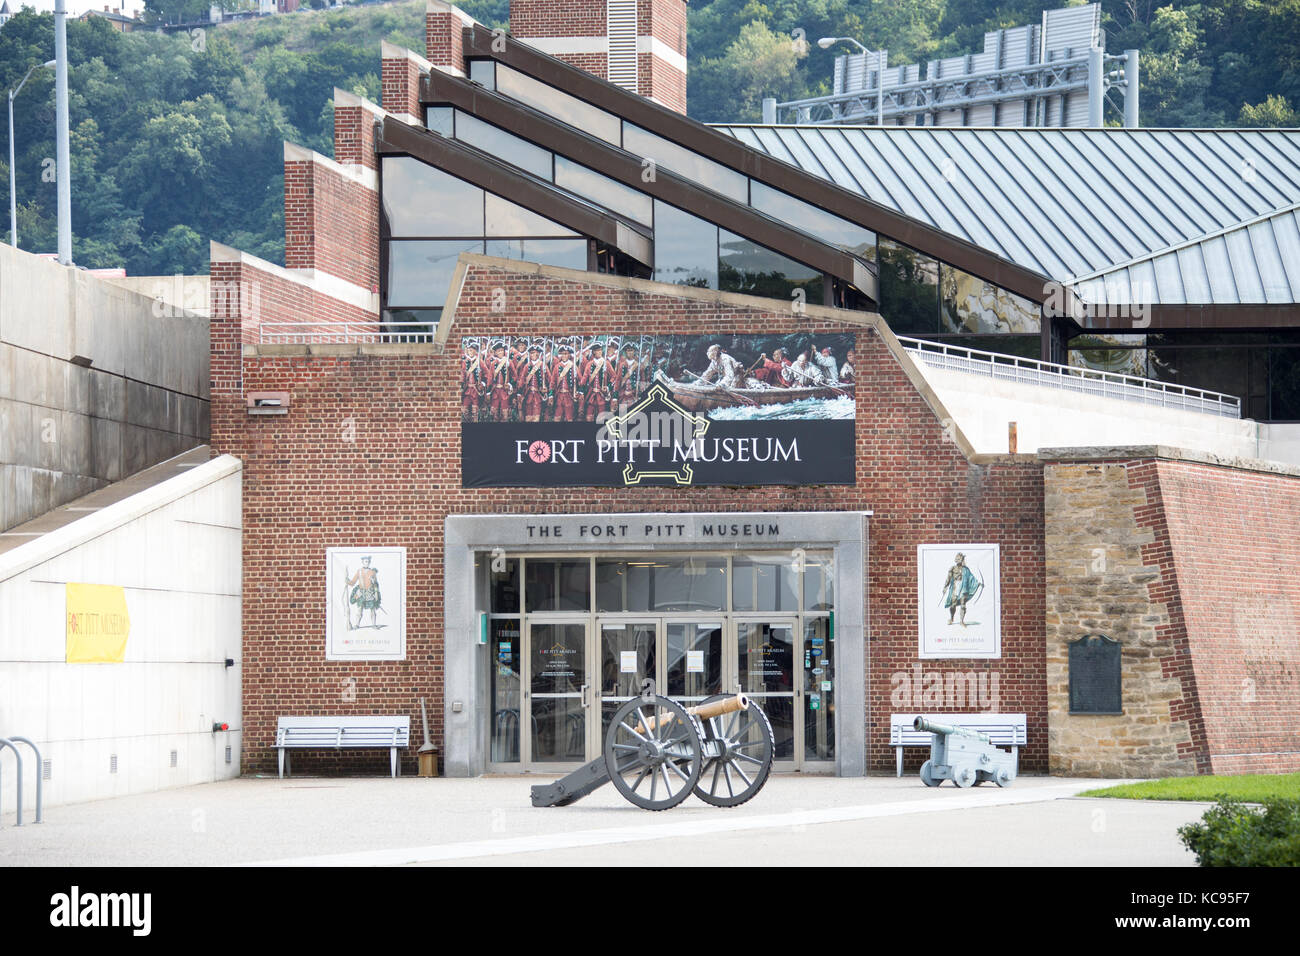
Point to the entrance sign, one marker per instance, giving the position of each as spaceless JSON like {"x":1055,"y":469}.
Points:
{"x":96,"y":624}
{"x":626,"y":410}
{"x":959,"y":601}
{"x":365,"y":604}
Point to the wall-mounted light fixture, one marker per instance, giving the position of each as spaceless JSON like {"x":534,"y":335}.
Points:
{"x":268,"y":403}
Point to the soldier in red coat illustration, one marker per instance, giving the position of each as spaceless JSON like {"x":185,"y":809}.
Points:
{"x":564,"y":386}
{"x":597,"y":381}
{"x":501,"y":383}
{"x":473,"y":385}
{"x":534,"y":383}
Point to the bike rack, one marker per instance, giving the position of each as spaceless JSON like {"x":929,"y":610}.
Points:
{"x":18,"y":759}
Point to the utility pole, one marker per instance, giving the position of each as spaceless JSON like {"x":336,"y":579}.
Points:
{"x":63,"y":166}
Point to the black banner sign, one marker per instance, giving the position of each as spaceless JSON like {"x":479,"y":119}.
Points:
{"x":663,"y":410}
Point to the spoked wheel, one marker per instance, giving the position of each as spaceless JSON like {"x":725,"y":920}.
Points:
{"x":652,"y":752}
{"x":745,"y":749}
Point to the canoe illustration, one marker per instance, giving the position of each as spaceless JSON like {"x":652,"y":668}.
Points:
{"x":703,"y":396}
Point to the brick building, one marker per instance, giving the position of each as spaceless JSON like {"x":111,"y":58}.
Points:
{"x":511,"y":269}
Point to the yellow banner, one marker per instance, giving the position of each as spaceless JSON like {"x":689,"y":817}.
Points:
{"x":97,"y":624}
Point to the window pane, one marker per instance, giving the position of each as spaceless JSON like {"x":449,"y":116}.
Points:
{"x":504,"y":642}
{"x":1284,"y":384}
{"x":504,"y":587}
{"x":438,"y":119}
{"x":819,"y":689}
{"x":602,"y":190}
{"x":818,"y":583}
{"x":764,"y":583}
{"x":504,"y":146}
{"x":504,"y":218}
{"x":816,"y":222}
{"x":909,"y":289}
{"x":484,"y":72}
{"x":563,"y":107}
{"x":685,"y":163}
{"x":1108,"y":353}
{"x":568,"y":253}
{"x":419,"y":272}
{"x":686,"y":248}
{"x":420,"y":200}
{"x":410,"y":325}
{"x":694,"y":665}
{"x":751,"y":269}
{"x":969,"y":304}
{"x":552,"y":585}
{"x":661,"y":584}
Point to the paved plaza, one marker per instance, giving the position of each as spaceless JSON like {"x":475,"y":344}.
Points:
{"x":795,"y":820}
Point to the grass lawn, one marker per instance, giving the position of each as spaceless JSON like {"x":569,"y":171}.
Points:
{"x":1252,"y":788}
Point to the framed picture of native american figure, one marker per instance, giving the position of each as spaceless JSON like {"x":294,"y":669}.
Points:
{"x":365,"y":604}
{"x":959,"y":600}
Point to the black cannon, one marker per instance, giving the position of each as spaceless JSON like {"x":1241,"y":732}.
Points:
{"x":657,"y":753}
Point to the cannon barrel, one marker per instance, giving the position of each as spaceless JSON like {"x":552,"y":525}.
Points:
{"x":930,"y":726}
{"x":715,"y":709}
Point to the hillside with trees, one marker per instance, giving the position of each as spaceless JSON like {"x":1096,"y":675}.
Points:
{"x":176,"y":138}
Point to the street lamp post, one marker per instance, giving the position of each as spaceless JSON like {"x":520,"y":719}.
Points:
{"x":13,"y":205}
{"x":827,"y":42}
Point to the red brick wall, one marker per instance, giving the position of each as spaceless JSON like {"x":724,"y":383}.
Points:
{"x":354,"y":136}
{"x":1231,"y":538}
{"x":400,"y":86}
{"x":443,"y":40}
{"x":666,"y":84}
{"x":307,"y":487}
{"x":331,"y":223}
{"x":547,"y":18}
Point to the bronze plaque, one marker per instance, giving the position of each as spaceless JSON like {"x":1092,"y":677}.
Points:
{"x":1095,"y":676}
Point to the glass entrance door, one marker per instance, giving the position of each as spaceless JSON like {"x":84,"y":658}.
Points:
{"x":557,"y":694}
{"x":765,"y":670}
{"x":693,"y":660}
{"x":628,"y":653}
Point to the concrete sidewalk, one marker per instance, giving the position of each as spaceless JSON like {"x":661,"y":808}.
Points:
{"x":796,"y":820}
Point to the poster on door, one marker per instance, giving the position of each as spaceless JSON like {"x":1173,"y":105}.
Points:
{"x":959,"y":601}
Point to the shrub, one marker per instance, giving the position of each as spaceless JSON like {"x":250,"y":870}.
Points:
{"x":1232,"y":833}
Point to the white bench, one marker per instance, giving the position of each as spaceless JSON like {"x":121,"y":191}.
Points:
{"x":1004,"y":730}
{"x":342,"y":733}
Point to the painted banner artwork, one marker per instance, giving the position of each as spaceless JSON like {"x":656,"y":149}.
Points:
{"x":959,"y":600}
{"x":623,"y":410}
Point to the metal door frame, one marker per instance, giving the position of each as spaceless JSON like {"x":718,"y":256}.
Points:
{"x":779,"y":619}
{"x":526,"y":762}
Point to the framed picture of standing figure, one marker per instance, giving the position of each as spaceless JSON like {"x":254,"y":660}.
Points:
{"x":365,"y":604}
{"x":959,"y":600}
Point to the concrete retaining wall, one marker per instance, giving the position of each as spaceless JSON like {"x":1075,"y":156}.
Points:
{"x":67,"y":429}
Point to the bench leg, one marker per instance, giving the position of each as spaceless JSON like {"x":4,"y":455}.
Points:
{"x":281,"y":763}
{"x":898,"y":755}
{"x":392,"y":758}
{"x":1015,"y":758}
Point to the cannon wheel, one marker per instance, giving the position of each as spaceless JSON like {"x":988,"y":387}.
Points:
{"x":654,"y":768}
{"x":927,"y":777}
{"x":1003,"y":777}
{"x":963,"y":777}
{"x":747,"y":749}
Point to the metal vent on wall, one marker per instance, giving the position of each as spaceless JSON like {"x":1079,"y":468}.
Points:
{"x":45,"y":769}
{"x":173,"y":758}
{"x":112,"y":763}
{"x":227,"y":755}
{"x":620,"y":25}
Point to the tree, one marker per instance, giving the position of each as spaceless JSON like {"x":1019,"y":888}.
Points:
{"x":1275,"y":111}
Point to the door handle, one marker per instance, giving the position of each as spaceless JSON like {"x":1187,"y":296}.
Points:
{"x":583,"y":691}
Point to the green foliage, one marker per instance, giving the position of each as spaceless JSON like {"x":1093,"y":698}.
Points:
{"x":1251,"y":787}
{"x":1232,"y":833}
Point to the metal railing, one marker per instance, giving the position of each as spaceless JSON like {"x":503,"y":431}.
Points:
{"x":1087,"y":381}
{"x":342,"y":333}
{"x":18,"y":759}
{"x":938,"y":94}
